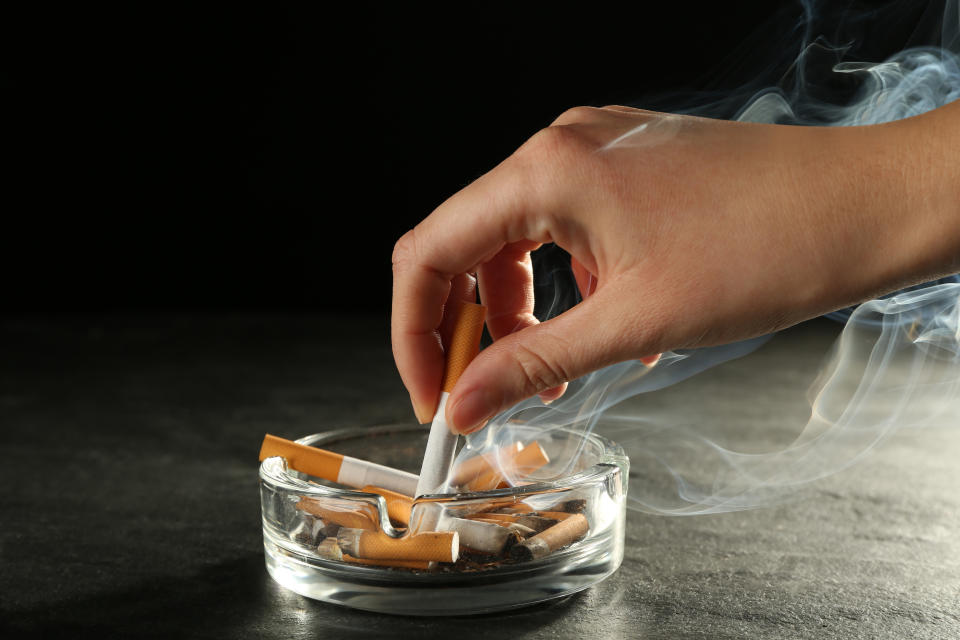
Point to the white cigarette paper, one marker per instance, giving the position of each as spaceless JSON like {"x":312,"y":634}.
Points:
{"x":440,"y":452}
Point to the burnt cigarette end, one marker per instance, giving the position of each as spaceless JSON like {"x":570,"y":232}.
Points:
{"x":556,"y":537}
{"x":578,"y":505}
{"x":349,"y":540}
{"x":330,"y":550}
{"x":309,"y":532}
{"x":481,"y":536}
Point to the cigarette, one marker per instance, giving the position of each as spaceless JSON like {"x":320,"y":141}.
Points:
{"x":470,"y":468}
{"x":336,"y":467}
{"x":309,"y":532}
{"x":345,"y":513}
{"x":442,"y":442}
{"x":553,"y":515}
{"x":480,"y":536}
{"x":398,"y":505}
{"x":577,"y":505}
{"x":535,"y":522}
{"x":556,"y":537}
{"x":525,"y":462}
{"x":329,"y":550}
{"x":435,"y":546}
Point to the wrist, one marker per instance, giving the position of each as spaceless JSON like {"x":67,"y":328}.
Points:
{"x":895,"y":190}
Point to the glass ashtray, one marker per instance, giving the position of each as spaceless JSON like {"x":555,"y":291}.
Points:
{"x":591,"y":495}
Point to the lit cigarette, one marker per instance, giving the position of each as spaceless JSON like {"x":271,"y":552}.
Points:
{"x":480,"y":536}
{"x":398,"y":505}
{"x":471,"y":468}
{"x":556,"y":537}
{"x":442,"y":442}
{"x":330,"y":550}
{"x":336,"y":467}
{"x":435,"y":546}
{"x":342,"y":512}
{"x":523,"y":463}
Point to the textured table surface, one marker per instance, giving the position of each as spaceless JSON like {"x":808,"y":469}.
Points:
{"x":130,"y":508}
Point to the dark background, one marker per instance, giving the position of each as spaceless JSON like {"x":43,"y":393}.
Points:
{"x":259,"y":159}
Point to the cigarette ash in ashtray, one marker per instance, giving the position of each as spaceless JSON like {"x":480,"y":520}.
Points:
{"x":475,"y":536}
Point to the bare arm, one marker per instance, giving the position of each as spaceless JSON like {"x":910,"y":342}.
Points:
{"x":684,"y":232}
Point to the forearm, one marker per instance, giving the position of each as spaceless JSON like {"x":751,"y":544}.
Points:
{"x":930,"y":207}
{"x":892,"y":194}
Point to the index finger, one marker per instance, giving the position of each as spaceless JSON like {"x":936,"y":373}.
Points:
{"x":465,"y":231}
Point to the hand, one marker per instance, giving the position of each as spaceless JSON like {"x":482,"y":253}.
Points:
{"x":683,"y":232}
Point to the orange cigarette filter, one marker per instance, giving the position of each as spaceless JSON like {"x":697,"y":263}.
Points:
{"x":336,"y":467}
{"x":402,"y":564}
{"x":471,"y":468}
{"x":557,"y":536}
{"x":346,"y":513}
{"x":525,"y":462}
{"x":398,"y":505}
{"x":435,"y":546}
{"x":329,"y":550}
{"x":310,"y":460}
{"x":464,"y":342}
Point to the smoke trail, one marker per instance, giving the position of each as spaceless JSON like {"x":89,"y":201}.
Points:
{"x":896,"y":363}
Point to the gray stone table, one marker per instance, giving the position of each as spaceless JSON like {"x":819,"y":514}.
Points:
{"x":130,"y":507}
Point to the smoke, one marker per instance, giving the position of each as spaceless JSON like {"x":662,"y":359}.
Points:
{"x":896,"y":363}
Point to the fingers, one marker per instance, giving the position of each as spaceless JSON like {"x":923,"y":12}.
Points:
{"x":465,"y":231}
{"x":506,"y":288}
{"x":586,"y":281}
{"x":541,"y":357}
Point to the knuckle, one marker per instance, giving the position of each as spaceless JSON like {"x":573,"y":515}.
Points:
{"x":575,"y":115}
{"x":404,"y":250}
{"x":553,"y":142}
{"x":539,"y":372}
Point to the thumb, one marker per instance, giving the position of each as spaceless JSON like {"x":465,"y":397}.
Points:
{"x":593,"y":334}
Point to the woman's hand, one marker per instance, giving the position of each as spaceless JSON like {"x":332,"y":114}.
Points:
{"x":683,"y":232}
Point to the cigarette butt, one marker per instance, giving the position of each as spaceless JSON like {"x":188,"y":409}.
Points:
{"x":330,"y":550}
{"x":481,"y":536}
{"x":512,"y":526}
{"x":383,"y":562}
{"x":535,"y":522}
{"x":345,"y":513}
{"x":556,"y":537}
{"x":398,"y":505}
{"x":553,"y":515}
{"x":525,"y":462}
{"x":309,"y":531}
{"x":577,"y":505}
{"x":439,"y":546}
{"x":336,"y":467}
{"x":442,"y":441}
{"x":470,"y":468}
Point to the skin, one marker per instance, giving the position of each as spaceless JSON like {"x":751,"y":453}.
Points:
{"x":683,"y":232}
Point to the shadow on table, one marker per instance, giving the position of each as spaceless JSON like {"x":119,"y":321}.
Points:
{"x":239,"y":600}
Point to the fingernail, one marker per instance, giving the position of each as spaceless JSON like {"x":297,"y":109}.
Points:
{"x":555,"y":393}
{"x":472,"y":410}
{"x":423,"y":414}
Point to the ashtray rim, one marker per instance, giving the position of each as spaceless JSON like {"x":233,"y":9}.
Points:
{"x":275,"y":470}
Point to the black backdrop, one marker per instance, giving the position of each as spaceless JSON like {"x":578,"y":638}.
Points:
{"x":222,"y":159}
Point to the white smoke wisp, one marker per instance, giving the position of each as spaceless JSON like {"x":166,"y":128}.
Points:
{"x":895,"y":365}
